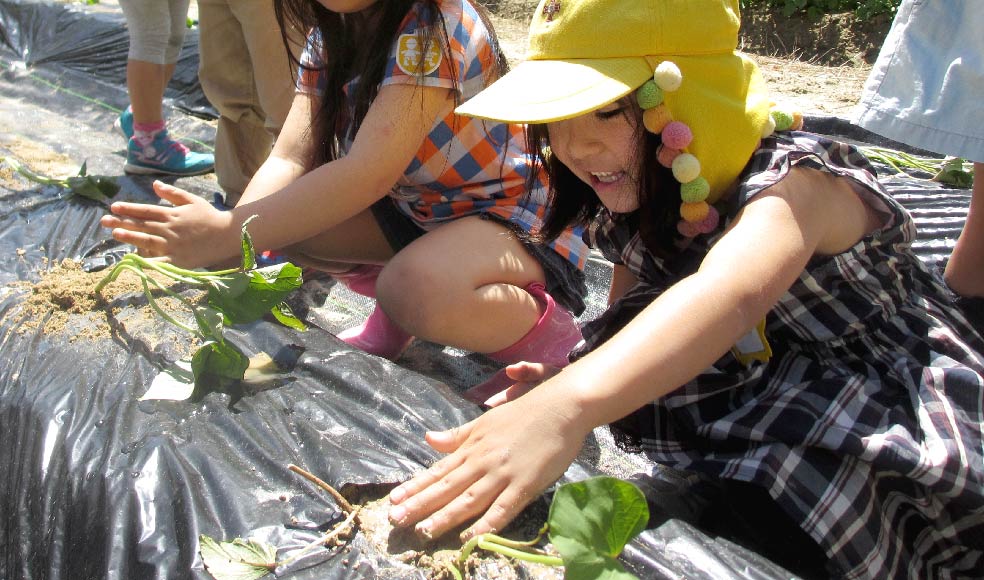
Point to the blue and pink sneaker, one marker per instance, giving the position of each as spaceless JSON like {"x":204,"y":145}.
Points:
{"x":166,"y":156}
{"x":124,"y":123}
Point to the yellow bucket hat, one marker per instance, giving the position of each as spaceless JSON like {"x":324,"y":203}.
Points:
{"x":706,"y":99}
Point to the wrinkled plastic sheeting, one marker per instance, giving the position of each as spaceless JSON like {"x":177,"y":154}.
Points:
{"x":34,"y":34}
{"x":98,"y":484}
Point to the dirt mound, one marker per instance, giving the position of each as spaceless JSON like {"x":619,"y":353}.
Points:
{"x":833,"y":40}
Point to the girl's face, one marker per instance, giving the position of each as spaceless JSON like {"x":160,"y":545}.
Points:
{"x":602,"y":149}
{"x":346,"y":6}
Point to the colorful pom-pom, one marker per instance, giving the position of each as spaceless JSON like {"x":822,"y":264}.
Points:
{"x":649,"y":95}
{"x":694,"y":212}
{"x":668,"y":76}
{"x":710,"y":221}
{"x":656,"y":119}
{"x":694,"y":191}
{"x":797,"y":121}
{"x":665,"y":155}
{"x":770,"y":126}
{"x":687,"y":229}
{"x":677,"y":135}
{"x":783,"y":119}
{"x":685,"y":168}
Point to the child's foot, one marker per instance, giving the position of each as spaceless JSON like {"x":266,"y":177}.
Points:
{"x":166,"y":156}
{"x":124,"y":123}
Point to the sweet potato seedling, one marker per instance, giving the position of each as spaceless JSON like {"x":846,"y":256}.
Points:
{"x":235,"y":296}
{"x":99,"y":188}
{"x":589,"y":524}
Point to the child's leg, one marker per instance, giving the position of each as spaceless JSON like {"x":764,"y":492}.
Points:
{"x":965,"y":270}
{"x":473,"y":285}
{"x":358,"y":240}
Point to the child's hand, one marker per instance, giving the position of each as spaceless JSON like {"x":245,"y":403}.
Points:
{"x":526,"y":376}
{"x":190,"y":234}
{"x":497,"y":465}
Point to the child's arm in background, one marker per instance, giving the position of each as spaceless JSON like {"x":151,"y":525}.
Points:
{"x":499,"y":462}
{"x":194,"y":234}
{"x":293,"y":153}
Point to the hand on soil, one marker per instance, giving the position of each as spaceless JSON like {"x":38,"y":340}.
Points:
{"x":497,"y":464}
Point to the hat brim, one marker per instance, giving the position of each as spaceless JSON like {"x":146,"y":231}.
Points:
{"x":542,"y":91}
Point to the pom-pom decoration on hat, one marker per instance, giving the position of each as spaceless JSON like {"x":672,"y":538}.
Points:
{"x":649,"y":95}
{"x":656,"y":119}
{"x":667,"y":76}
{"x":677,"y":135}
{"x":697,"y":192}
{"x":783,"y":119}
{"x":665,"y":155}
{"x":698,"y":216}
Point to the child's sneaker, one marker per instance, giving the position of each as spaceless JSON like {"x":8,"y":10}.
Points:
{"x":124,"y":123}
{"x":166,"y":156}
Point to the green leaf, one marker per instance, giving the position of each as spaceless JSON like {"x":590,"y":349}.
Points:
{"x":283,"y":313}
{"x":237,"y":560}
{"x":219,"y":360}
{"x":215,"y":365}
{"x":210,"y":322}
{"x":590,"y":522}
{"x":952,"y":173}
{"x":95,"y":187}
{"x":249,"y":254}
{"x":246,"y":296}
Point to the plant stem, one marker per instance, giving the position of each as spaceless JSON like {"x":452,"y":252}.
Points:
{"x":322,"y":540}
{"x":342,"y":502}
{"x":35,"y":177}
{"x":153,"y":303}
{"x":145,"y":279}
{"x":510,"y":548}
{"x":535,"y":557}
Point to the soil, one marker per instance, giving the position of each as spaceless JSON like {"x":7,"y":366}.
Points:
{"x":816,"y":66}
{"x":64,"y":302}
{"x":435,"y":558}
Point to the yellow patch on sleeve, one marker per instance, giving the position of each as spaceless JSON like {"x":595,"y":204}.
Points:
{"x":416,"y":59}
{"x":753,"y":346}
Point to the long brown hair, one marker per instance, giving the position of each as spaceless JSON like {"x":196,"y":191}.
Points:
{"x":572,"y":202}
{"x":355,"y":50}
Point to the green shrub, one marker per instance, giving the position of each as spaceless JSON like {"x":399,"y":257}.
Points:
{"x":863,"y":9}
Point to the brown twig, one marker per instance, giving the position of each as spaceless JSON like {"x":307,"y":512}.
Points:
{"x":342,"y":502}
{"x":352,"y":516}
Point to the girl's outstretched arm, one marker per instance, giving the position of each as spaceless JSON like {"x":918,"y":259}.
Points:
{"x":190,"y":235}
{"x":499,"y":462}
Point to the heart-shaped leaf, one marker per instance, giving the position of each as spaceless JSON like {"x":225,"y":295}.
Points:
{"x":237,"y":560}
{"x":590,"y":522}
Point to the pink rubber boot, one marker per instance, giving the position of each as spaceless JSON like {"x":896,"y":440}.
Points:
{"x":549,"y":342}
{"x":361,"y":279}
{"x":378,"y":335}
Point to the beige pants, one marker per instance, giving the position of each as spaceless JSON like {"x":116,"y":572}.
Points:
{"x":245,"y":74}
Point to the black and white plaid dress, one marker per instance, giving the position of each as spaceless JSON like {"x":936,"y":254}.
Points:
{"x":865,"y":425}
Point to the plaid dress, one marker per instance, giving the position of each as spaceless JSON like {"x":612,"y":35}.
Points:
{"x":865,"y":425}
{"x":465,"y":166}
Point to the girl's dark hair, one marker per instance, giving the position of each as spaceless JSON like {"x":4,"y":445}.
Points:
{"x":358,"y":45}
{"x":572,"y":202}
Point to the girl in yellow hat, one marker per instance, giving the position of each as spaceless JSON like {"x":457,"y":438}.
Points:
{"x":375,"y":180}
{"x":770,"y":329}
